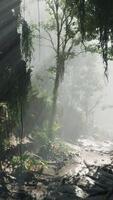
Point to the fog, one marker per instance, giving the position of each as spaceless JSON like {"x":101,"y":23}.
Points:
{"x":43,"y":58}
{"x":56,"y":102}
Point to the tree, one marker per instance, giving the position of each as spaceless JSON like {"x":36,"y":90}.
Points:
{"x":96,"y":23}
{"x":64,"y":26}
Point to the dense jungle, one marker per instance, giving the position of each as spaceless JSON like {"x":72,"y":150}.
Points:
{"x":56,"y":100}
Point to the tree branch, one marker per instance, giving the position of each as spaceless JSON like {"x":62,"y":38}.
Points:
{"x":51,"y":40}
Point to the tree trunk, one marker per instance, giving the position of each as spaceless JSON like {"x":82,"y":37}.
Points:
{"x":59,"y":74}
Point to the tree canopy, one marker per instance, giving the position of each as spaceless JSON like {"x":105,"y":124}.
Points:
{"x":96,"y":23}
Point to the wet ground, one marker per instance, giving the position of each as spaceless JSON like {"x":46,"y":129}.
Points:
{"x":85,"y":172}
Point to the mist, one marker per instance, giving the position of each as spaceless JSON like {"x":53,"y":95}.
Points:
{"x":56,"y":100}
{"x":43,"y":58}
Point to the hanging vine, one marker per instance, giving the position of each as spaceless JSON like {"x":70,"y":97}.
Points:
{"x":27,"y":41}
{"x":95,"y":18}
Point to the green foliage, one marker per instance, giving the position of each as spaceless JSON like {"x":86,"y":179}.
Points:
{"x":36,"y":119}
{"x":42,"y":136}
{"x":28,"y":162}
{"x":96,"y":23}
{"x":28,"y":33}
{"x":38,"y":110}
{"x":56,"y":150}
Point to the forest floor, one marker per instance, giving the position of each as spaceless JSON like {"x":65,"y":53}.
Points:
{"x":81,"y":171}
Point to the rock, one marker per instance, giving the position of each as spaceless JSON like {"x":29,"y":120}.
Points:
{"x":67,"y":189}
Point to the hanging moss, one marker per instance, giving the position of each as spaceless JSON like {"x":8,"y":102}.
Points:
{"x":95,"y":18}
{"x":27,"y":41}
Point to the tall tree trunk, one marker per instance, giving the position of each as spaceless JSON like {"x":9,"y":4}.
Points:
{"x":57,"y":78}
{"x":54,"y":102}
